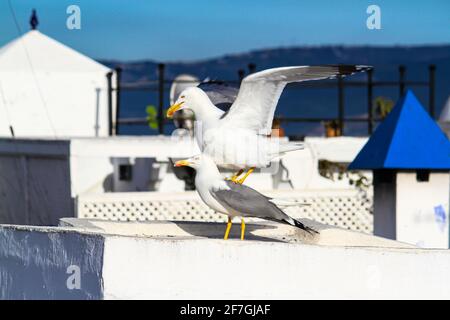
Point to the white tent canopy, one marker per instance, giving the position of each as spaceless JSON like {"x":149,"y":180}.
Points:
{"x":49,"y":90}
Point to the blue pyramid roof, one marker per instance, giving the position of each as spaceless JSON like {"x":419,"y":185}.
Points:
{"x":407,"y":139}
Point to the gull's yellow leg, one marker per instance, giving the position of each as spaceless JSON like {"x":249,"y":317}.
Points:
{"x":227,"y":231}
{"x":235,"y":177}
{"x":241,"y":181}
{"x":242,"y":228}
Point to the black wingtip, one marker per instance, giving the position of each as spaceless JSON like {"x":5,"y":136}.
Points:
{"x":345,"y":70}
{"x":300,"y":225}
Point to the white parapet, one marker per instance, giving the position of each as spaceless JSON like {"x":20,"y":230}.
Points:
{"x":91,"y":259}
{"x":187,"y":260}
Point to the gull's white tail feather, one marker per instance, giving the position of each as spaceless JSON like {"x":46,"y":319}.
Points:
{"x":285,"y":148}
{"x":291,"y":147}
{"x":283,"y":203}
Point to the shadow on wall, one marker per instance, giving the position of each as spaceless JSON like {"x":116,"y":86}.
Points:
{"x":253,"y":231}
{"x":217,"y":230}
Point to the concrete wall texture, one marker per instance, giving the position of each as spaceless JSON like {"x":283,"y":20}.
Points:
{"x":34,"y":264}
{"x":422,"y":210}
{"x":200,"y":269}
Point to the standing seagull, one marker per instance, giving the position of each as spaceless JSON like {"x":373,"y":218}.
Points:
{"x":234,"y":199}
{"x":237,"y":138}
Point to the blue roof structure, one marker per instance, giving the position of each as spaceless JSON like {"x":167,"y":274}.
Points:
{"x":407,"y":139}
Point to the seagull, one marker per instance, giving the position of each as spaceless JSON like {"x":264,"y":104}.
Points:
{"x":238,"y":138}
{"x":234,"y":200}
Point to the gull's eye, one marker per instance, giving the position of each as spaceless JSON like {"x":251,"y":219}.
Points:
{"x":182,"y":97}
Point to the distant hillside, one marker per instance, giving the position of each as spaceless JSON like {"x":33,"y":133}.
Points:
{"x":304,"y":102}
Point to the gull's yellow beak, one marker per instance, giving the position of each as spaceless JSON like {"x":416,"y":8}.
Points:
{"x":174,"y":108}
{"x":182,"y":163}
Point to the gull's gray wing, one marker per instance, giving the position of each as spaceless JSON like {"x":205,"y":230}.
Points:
{"x":221,"y":94}
{"x":259,"y":93}
{"x":249,"y":202}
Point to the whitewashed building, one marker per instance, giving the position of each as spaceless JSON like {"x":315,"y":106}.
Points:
{"x":50,"y":90}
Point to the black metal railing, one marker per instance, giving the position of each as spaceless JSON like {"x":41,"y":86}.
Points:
{"x":160,"y":85}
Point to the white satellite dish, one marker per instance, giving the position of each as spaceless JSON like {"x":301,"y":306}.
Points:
{"x":444,"y":118}
{"x":445,"y":113}
{"x":181,"y":82}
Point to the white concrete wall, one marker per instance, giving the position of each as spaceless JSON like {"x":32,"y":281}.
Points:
{"x":91,"y":159}
{"x":303,"y":166}
{"x":91,"y":164}
{"x":34,"y":261}
{"x":418,"y":207}
{"x":214,"y":269}
{"x":64,"y":105}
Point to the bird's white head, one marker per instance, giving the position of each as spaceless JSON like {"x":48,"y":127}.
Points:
{"x":199,"y":162}
{"x":191,"y":98}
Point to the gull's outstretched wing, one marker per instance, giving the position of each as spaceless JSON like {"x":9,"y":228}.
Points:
{"x":221,"y":94}
{"x":259,"y":93}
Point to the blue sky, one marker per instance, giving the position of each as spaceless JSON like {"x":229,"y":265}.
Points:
{"x":196,"y":29}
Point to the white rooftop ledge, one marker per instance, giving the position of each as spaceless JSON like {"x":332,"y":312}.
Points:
{"x":187,"y":260}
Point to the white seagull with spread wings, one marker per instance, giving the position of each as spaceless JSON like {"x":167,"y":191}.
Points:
{"x":237,"y":138}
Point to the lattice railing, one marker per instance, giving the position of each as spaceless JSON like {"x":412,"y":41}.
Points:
{"x":344,"y":208}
